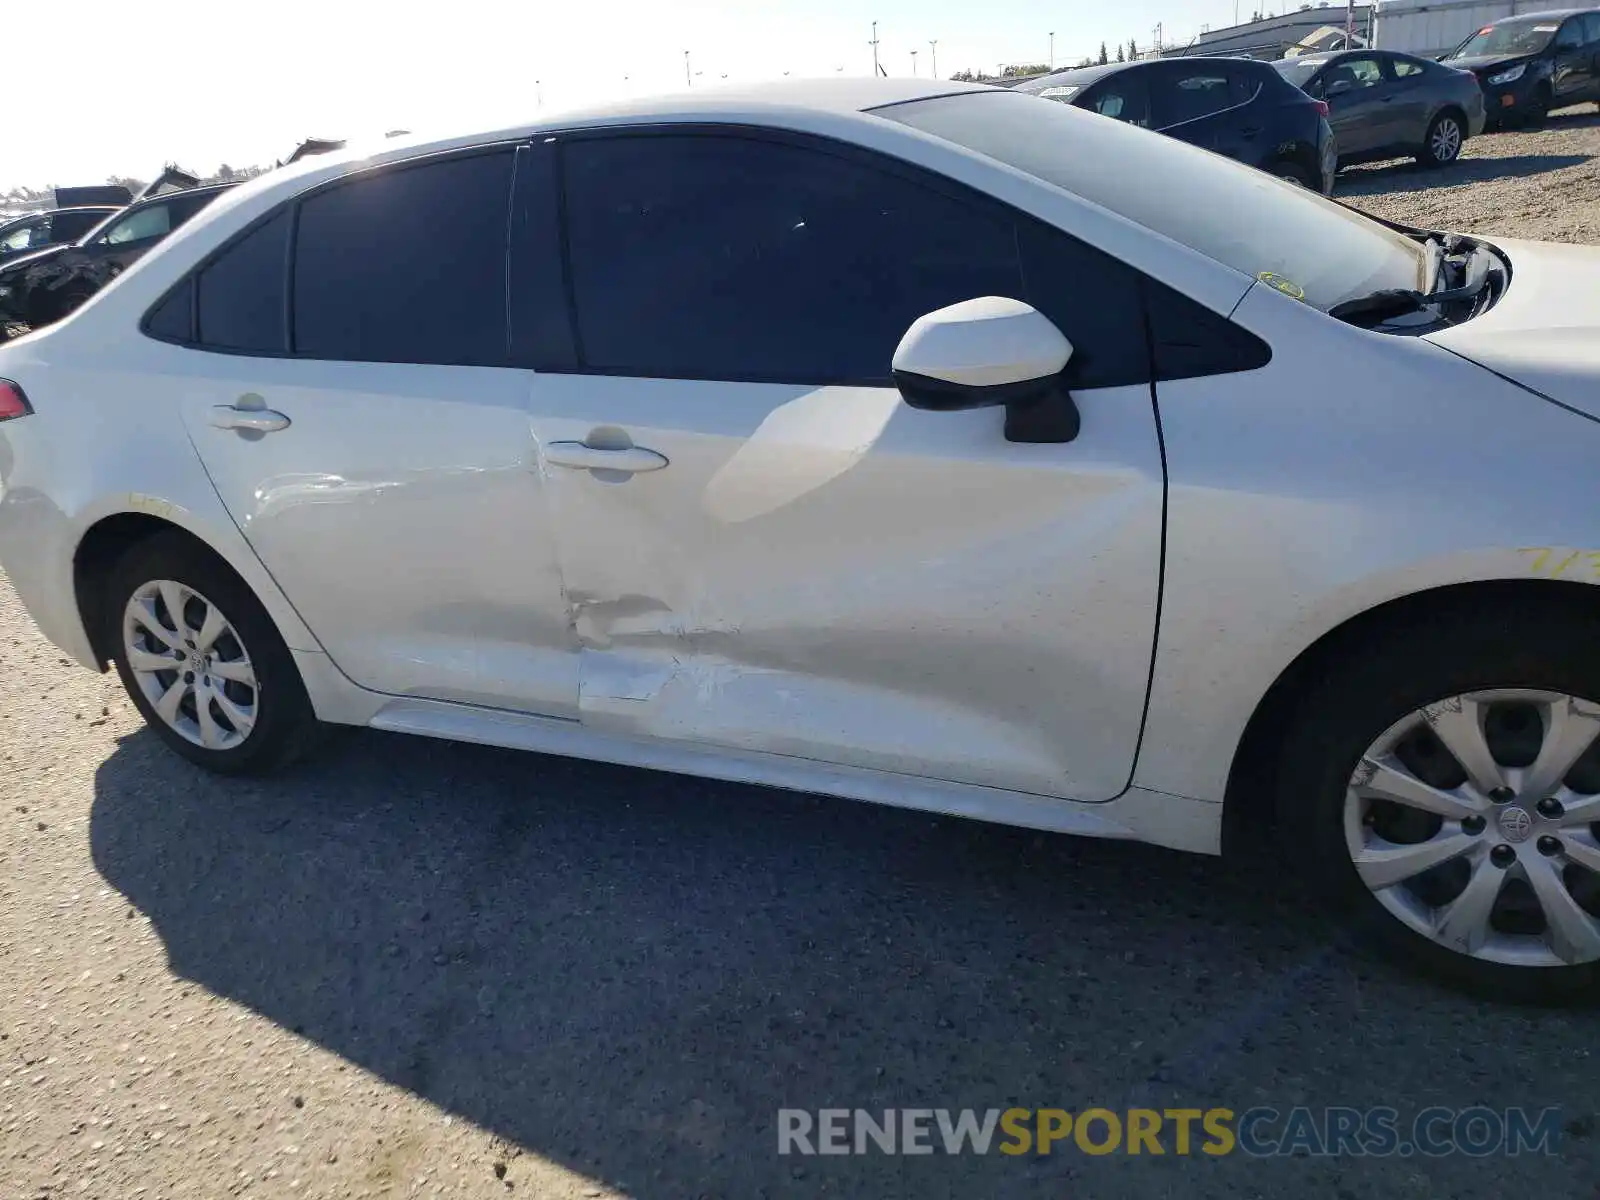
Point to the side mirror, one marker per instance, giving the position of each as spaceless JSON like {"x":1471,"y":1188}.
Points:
{"x":1339,"y":87}
{"x":988,"y":353}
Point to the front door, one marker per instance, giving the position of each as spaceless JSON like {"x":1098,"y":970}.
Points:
{"x":765,"y":549}
{"x":376,"y":453}
{"x":1574,"y":66}
{"x":1360,"y":106}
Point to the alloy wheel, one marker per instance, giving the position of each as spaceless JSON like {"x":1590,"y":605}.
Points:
{"x":1445,"y":143}
{"x":190,"y":664}
{"x":1474,"y":821}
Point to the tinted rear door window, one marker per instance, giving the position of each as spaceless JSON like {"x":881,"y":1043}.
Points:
{"x":734,"y":258}
{"x":407,"y":265}
{"x":241,"y":301}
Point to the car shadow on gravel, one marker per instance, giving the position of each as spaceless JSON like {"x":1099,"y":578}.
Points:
{"x":629,"y":973}
{"x":1407,"y":176}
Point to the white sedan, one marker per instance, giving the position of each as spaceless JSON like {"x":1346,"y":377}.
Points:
{"x":920,"y":443}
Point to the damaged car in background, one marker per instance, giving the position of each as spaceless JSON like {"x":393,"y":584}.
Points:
{"x":39,"y":288}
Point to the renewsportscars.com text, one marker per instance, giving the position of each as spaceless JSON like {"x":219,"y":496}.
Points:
{"x":1260,"y":1131}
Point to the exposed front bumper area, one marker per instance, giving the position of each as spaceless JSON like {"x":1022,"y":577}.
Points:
{"x":1510,"y":103}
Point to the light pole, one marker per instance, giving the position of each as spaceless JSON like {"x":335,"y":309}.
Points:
{"x":913,"y":64}
{"x":538,"y":91}
{"x":933,"y":57}
{"x":687,"y":78}
{"x":874,"y":45}
{"x":1052,"y":51}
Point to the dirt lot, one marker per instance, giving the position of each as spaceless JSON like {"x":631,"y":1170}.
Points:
{"x":420,"y":969}
{"x":1543,"y":185}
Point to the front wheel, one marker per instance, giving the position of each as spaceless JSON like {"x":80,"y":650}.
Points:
{"x":1442,"y":787}
{"x":203,"y":661}
{"x":1442,"y":145}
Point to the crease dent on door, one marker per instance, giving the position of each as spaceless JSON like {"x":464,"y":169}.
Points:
{"x":858,"y":582}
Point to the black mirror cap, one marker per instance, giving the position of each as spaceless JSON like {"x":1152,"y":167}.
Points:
{"x":1037,"y":410}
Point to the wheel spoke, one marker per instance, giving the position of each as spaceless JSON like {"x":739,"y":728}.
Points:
{"x":1582,"y":810}
{"x":1572,"y":933}
{"x":1388,"y":780}
{"x":237,"y":670}
{"x":146,"y":660}
{"x":172,"y":596}
{"x":1463,"y":924}
{"x":144,"y":616}
{"x":242,"y":719}
{"x":167,"y":706}
{"x":1583,"y":849}
{"x":1461,"y":731}
{"x":210,"y":732}
{"x":1388,"y":864}
{"x":1571,"y":727}
{"x":210,"y":629}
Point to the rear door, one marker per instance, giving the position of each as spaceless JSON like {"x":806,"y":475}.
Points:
{"x":765,"y":549}
{"x":1574,"y":73}
{"x":344,"y":378}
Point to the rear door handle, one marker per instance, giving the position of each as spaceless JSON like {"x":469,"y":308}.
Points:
{"x":633,"y":459}
{"x":262,"y":420}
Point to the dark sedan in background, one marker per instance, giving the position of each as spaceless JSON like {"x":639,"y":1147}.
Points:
{"x":1234,"y":106}
{"x":53,"y":227}
{"x":1532,"y":63}
{"x":1387,"y":105}
{"x":44,"y":286}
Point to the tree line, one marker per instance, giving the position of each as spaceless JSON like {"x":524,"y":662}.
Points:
{"x":1124,"y":53}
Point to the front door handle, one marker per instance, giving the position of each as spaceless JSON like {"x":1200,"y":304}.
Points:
{"x":262,"y":420}
{"x":631,"y":460}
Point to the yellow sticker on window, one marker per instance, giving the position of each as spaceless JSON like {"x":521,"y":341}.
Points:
{"x":1287,"y":286}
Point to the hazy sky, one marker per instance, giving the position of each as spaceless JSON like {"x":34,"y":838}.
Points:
{"x":204,"y":83}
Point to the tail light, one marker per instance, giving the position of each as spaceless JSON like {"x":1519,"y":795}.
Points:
{"x":1322,"y":106}
{"x":13,"y":403}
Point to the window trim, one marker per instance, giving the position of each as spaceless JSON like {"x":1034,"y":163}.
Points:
{"x":293,"y":203}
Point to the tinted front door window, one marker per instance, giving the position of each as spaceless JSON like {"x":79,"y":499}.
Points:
{"x":732,"y":258}
{"x":1124,"y":97}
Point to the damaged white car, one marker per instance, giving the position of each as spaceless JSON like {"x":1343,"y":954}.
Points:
{"x":891,"y":439}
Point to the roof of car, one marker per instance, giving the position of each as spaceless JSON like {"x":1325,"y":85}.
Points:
{"x":1084,"y":76}
{"x":1554,"y":14}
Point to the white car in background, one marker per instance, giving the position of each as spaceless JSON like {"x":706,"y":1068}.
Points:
{"x":914,"y":442}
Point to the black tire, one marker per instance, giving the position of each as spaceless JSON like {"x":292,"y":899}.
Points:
{"x":1296,"y":174}
{"x":1439,"y":149}
{"x":1362,"y":696}
{"x":285,"y":728}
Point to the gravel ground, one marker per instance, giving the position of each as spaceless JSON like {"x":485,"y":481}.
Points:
{"x":421,"y":969}
{"x":1543,"y":185}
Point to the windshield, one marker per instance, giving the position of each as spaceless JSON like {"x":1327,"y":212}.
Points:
{"x":1299,"y":71}
{"x":1508,"y":37}
{"x":1237,"y":215}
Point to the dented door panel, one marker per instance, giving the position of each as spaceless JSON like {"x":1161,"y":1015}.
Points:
{"x":827,"y":573}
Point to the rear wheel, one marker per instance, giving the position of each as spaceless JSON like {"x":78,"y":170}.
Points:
{"x":1442,"y":144}
{"x":1443,"y":789}
{"x":202,"y":660}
